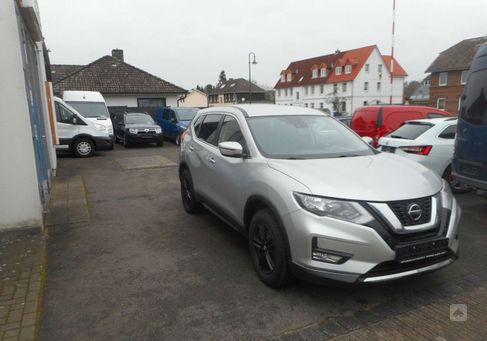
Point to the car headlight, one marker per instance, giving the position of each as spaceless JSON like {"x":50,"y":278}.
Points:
{"x":158,"y":130}
{"x":100,"y":127}
{"x":446,"y":195}
{"x":133,"y":130}
{"x":339,"y":209}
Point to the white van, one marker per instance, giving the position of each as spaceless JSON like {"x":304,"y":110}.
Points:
{"x":92,"y":106}
{"x":77,"y":133}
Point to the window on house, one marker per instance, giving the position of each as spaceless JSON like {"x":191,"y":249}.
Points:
{"x":321,"y":105}
{"x":338,"y":70}
{"x":306,"y":105}
{"x":314,"y":73}
{"x":289,"y":77}
{"x":297,"y":95}
{"x":323,"y":72}
{"x":283,"y":77}
{"x":312,"y":105}
{"x":312,"y":89}
{"x":344,"y":87}
{"x":378,"y":86}
{"x":441,"y":103}
{"x":278,"y":92}
{"x":322,"y":88}
{"x":343,"y":107}
{"x":151,"y":102}
{"x":463,"y":78}
{"x":379,"y":68}
{"x":366,"y":86}
{"x":365,"y":103}
{"x":367,"y":67}
{"x":459,"y":103}
{"x":335,"y":87}
{"x":290,"y":91}
{"x":348,"y":69}
{"x":443,"y":79}
{"x":306,"y":90}
{"x":285,"y":92}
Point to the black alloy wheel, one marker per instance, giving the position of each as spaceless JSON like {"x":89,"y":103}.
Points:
{"x":190,"y":204}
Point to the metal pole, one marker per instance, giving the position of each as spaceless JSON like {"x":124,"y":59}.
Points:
{"x":392,"y":46}
{"x":250,"y":82}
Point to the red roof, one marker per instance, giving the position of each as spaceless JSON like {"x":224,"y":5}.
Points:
{"x":301,"y":70}
{"x":398,"y":70}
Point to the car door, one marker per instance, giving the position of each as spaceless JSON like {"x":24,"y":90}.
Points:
{"x":225,"y":178}
{"x":66,"y":126}
{"x":202,"y":150}
{"x":172,"y":124}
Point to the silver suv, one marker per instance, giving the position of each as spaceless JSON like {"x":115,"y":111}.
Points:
{"x":313,"y":199}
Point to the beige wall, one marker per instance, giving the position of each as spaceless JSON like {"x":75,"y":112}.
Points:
{"x":196,"y":99}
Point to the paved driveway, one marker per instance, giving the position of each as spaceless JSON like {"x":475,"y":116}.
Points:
{"x":142,"y":268}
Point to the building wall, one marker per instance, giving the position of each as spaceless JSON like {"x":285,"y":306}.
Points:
{"x":354,"y":96}
{"x":20,"y":202}
{"x":131,"y":100}
{"x":452,"y":92}
{"x":195,"y":99}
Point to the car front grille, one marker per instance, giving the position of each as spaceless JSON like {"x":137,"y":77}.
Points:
{"x":401,"y":210}
{"x":143,"y":132}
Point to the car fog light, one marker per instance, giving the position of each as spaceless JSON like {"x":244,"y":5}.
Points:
{"x":329,"y":256}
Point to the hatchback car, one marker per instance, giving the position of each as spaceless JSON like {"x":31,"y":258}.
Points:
{"x":313,"y":199}
{"x":429,"y":142}
{"x":132,"y":128}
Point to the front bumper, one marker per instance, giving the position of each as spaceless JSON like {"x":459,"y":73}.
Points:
{"x":144,"y":138}
{"x":103,"y":143}
{"x":373,"y":252}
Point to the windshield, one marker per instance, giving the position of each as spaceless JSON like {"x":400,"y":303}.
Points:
{"x":410,"y":131}
{"x":305,"y":137}
{"x":90,"y":109}
{"x":139,"y":119}
{"x":186,"y":114}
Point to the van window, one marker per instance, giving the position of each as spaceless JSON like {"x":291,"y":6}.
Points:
{"x":209,"y":128}
{"x":90,"y":109}
{"x":474,"y":105}
{"x":410,"y":130}
{"x":63,"y":114}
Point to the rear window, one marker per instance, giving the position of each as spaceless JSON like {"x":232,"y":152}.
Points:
{"x":410,"y":131}
{"x":474,"y":104}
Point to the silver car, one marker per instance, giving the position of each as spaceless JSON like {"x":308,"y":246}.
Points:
{"x":314,"y":200}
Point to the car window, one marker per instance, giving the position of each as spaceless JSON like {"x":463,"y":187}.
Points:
{"x":474,"y":104}
{"x":209,"y":128}
{"x":197,"y":124}
{"x":63,"y":114}
{"x":410,"y":130}
{"x":171,"y":116}
{"x":449,"y":132}
{"x":230,"y":131}
{"x":165,"y":114}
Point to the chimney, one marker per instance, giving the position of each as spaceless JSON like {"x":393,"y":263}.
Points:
{"x":117,"y":53}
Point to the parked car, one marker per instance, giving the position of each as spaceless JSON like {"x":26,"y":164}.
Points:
{"x":174,"y":121}
{"x":92,"y":106}
{"x":132,"y":128}
{"x":376,"y":121}
{"x":470,"y":159}
{"x":78,"y":134}
{"x":314,"y":199}
{"x":429,"y":142}
{"x":346,"y":120}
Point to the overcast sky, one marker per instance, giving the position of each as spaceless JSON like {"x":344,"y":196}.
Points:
{"x":189,"y":42}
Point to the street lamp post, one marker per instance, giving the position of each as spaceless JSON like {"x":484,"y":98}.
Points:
{"x":251,"y":61}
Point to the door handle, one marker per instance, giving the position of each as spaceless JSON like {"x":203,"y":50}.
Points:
{"x":191,"y":148}
{"x":211,"y":159}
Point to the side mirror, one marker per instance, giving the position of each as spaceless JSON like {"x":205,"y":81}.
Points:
{"x":231,"y":149}
{"x":367,"y":139}
{"x":74,"y":120}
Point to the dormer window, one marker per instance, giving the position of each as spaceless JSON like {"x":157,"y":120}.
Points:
{"x":323,"y":72}
{"x":314,"y":73}
{"x":348,"y":69}
{"x":338,"y":70}
{"x":289,"y":77}
{"x":283,"y":77}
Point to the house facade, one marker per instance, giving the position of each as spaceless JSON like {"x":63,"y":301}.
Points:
{"x":449,"y":73}
{"x":194,"y":99}
{"x":28,"y":159}
{"x":235,"y":91}
{"x":121,"y":84}
{"x":342,"y":81}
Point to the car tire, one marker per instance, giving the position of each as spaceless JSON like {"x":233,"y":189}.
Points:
{"x":269,"y":250}
{"x":83,"y":147}
{"x":456,"y":186}
{"x":190,"y":203}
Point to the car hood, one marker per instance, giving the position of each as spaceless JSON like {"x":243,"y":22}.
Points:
{"x":141,"y":126}
{"x":380,"y":177}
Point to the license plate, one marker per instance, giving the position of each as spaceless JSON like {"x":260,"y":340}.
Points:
{"x":388,"y":149}
{"x":420,"y":251}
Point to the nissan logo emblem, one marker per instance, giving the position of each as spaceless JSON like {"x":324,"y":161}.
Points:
{"x":415,"y":212}
{"x":146,"y":130}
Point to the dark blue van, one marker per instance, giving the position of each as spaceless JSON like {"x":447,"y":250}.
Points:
{"x":470,"y":158}
{"x":174,"y":121}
